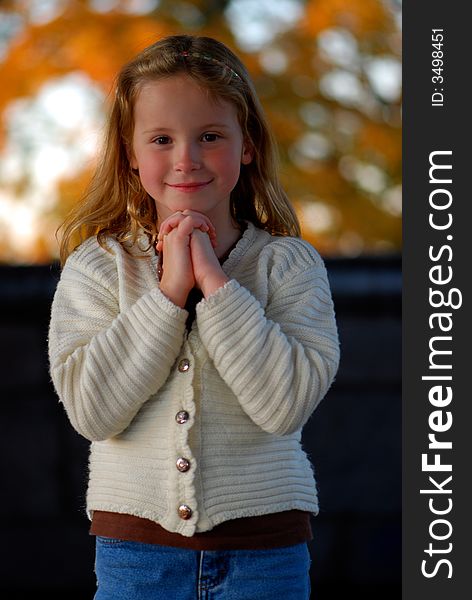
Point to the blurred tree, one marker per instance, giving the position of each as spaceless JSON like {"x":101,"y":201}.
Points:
{"x":330,"y":85}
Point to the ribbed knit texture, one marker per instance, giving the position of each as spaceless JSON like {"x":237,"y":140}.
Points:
{"x":263,"y":351}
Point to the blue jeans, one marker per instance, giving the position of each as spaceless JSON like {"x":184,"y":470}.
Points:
{"x":137,"y":571}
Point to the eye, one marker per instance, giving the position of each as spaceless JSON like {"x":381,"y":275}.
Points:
{"x":210,"y":137}
{"x":161,"y":140}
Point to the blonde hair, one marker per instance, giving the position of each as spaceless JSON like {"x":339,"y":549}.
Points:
{"x":117,"y":205}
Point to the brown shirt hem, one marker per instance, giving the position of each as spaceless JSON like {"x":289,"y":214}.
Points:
{"x":262,"y":532}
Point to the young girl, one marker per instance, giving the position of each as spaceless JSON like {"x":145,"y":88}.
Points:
{"x":192,"y":335}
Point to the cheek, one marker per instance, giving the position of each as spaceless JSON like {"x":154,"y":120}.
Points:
{"x":150,"y":170}
{"x":229,"y":165}
{"x":144,"y":176}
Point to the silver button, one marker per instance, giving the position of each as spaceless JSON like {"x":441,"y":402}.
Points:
{"x":185,"y":512}
{"x":182,"y":417}
{"x":184,"y":365}
{"x":182,"y":464}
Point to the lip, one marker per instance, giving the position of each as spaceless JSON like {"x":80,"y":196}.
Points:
{"x":190,"y":186}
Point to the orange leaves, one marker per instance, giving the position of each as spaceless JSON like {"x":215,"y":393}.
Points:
{"x":80,"y":40}
{"x":377,"y":140}
{"x":359,"y":16}
{"x":341,"y":160}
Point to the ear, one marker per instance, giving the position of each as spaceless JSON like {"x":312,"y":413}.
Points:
{"x":247,"y":153}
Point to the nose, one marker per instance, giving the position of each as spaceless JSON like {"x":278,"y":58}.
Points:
{"x":187,"y":158}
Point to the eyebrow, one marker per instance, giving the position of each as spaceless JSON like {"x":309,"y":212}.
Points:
{"x":208,"y":126}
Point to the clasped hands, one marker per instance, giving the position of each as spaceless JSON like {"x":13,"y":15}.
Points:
{"x":187,"y":240}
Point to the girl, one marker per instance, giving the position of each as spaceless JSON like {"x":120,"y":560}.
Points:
{"x":192,"y":335}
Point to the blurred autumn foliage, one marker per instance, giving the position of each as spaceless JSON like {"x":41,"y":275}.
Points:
{"x":329,"y":82}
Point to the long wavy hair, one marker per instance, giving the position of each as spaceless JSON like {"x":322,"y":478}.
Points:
{"x":115,"y":203}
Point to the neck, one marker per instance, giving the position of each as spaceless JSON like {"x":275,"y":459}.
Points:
{"x":227,"y":234}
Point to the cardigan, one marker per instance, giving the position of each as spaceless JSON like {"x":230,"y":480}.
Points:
{"x":193,"y":429}
{"x":262,"y":532}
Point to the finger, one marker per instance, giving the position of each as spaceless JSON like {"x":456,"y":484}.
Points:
{"x":196,"y":223}
{"x":211,"y":234}
{"x":160,"y":243}
{"x":197,"y":215}
{"x":167,"y":226}
{"x":188,"y":224}
{"x":170,"y":223}
{"x":199,"y":221}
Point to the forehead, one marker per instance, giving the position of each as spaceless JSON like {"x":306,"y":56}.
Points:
{"x":180,"y":97}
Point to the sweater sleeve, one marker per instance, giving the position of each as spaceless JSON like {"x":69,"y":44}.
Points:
{"x":105,"y":363}
{"x":279,"y":362}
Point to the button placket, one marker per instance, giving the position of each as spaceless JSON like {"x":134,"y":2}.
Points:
{"x":183,"y":464}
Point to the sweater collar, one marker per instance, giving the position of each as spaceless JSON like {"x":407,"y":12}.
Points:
{"x":242,"y":245}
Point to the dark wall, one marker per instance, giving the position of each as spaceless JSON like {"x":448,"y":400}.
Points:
{"x":353,"y":439}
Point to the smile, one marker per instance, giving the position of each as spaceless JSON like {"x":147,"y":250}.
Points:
{"x":193,"y":186}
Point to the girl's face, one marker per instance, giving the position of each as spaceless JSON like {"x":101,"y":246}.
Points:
{"x":187,"y":147}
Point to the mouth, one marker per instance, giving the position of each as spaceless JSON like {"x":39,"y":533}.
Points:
{"x":189,"y":186}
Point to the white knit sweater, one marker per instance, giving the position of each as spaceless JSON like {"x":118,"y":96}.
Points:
{"x":262,"y":353}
